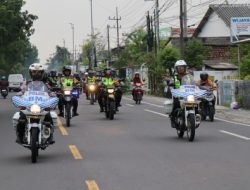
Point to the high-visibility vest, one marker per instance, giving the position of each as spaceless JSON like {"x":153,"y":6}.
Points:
{"x":91,"y":79}
{"x":177,"y":82}
{"x":107,"y":81}
{"x":67,"y":82}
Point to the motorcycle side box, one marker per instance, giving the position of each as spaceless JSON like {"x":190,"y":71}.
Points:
{"x":54,"y":118}
{"x":15,"y":119}
{"x":168,"y":106}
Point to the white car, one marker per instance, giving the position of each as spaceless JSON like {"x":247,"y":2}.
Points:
{"x":15,"y":81}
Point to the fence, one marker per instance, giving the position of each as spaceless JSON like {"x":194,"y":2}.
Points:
{"x":235,"y":90}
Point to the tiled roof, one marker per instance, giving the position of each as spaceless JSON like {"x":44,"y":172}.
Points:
{"x":225,"y":12}
{"x":233,"y":10}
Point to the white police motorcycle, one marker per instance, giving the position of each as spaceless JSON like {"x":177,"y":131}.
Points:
{"x":187,"y":117}
{"x":35,"y":105}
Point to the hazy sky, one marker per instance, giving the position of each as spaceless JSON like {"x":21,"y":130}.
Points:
{"x":53,"y":27}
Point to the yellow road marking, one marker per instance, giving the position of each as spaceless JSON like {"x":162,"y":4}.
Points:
{"x":62,"y":129}
{"x":75,"y":152}
{"x":92,"y":185}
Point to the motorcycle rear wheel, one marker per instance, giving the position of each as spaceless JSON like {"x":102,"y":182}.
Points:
{"x":34,"y":142}
{"x":211,"y":114}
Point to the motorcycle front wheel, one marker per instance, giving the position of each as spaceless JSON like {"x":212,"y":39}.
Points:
{"x":67,"y":108}
{"x":92,"y":98}
{"x":33,"y":144}
{"x":111,"y":110}
{"x":180,"y":133}
{"x":191,"y":127}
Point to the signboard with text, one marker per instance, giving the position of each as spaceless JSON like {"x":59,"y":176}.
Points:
{"x":240,"y":26}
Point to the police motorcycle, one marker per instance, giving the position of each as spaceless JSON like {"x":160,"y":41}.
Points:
{"x":69,"y":92}
{"x":187,"y":115}
{"x":4,"y":92}
{"x":36,"y":105}
{"x":109,"y":102}
{"x":92,"y":92}
{"x":207,"y":104}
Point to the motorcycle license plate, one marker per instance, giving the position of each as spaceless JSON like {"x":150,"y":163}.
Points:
{"x":111,"y":96}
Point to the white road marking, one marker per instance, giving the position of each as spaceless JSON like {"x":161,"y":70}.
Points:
{"x":143,"y":102}
{"x":157,"y":113}
{"x":232,"y":122}
{"x":152,"y":104}
{"x":235,"y":135}
{"x":130,"y":105}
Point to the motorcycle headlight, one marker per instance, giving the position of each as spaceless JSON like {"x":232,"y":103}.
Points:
{"x":110,"y":90}
{"x":92,"y":87}
{"x":35,"y":109}
{"x":67,"y":92}
{"x":191,"y":99}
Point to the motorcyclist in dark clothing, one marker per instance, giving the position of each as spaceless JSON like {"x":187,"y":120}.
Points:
{"x":4,"y":84}
{"x":53,"y":79}
{"x":68,"y":80}
{"x":136,"y":79}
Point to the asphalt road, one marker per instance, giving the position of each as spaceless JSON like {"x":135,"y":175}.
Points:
{"x":138,"y":150}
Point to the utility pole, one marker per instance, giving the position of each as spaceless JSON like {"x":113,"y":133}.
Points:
{"x":155,"y":29}
{"x":63,"y":42}
{"x":185,"y":32}
{"x":117,"y":19}
{"x":181,"y":32}
{"x":108,"y":39}
{"x":93,"y":60}
{"x":157,"y":25}
{"x":73,"y":42}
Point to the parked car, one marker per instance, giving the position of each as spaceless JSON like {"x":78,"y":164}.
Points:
{"x":15,"y":81}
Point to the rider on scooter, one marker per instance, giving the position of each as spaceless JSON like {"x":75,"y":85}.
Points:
{"x":136,"y":79}
{"x":4,"y":83}
{"x":206,"y":84}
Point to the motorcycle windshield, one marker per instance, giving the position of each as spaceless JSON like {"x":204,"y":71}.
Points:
{"x":37,"y":93}
{"x":187,"y":80}
{"x":38,"y":86}
{"x":187,"y":88}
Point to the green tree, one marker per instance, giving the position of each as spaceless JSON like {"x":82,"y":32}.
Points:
{"x":245,"y":67}
{"x":59,"y":59}
{"x":87,"y":49}
{"x":194,"y":53}
{"x":15,"y":30}
{"x":135,"y":50}
{"x":30,"y":57}
{"x":167,"y":58}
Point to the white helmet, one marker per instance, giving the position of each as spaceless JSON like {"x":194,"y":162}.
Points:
{"x":180,"y":63}
{"x":36,"y":71}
